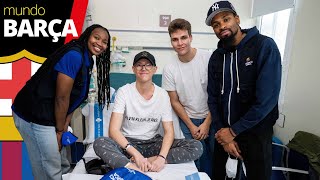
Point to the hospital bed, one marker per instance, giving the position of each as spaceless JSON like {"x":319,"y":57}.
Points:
{"x":170,"y":171}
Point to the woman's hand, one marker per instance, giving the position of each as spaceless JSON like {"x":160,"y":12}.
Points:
{"x":59,"y":137}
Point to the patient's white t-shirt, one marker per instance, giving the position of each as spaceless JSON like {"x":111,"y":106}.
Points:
{"x":141,"y":117}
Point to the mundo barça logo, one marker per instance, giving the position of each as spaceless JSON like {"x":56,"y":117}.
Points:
{"x":38,"y":27}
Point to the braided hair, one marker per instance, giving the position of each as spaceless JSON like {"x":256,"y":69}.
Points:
{"x":103,"y":66}
{"x":102,"y":63}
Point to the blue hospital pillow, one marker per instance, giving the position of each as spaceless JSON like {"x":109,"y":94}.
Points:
{"x":125,"y":174}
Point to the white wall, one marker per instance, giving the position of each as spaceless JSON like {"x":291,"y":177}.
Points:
{"x":144,"y":14}
{"x":302,"y":99}
{"x":136,"y":23}
{"x":162,"y":58}
{"x":124,"y":17}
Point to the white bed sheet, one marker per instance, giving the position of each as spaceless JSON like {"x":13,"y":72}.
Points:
{"x":170,"y":171}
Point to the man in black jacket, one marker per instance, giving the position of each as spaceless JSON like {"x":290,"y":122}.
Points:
{"x":244,"y":78}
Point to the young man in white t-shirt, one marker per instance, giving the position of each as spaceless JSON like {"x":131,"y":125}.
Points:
{"x":139,"y":109}
{"x":185,"y":79}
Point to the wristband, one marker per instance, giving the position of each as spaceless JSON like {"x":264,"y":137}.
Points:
{"x":231,"y":133}
{"x":161,"y":156}
{"x":127,"y":146}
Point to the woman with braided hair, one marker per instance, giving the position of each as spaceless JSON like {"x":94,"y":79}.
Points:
{"x":43,"y":108}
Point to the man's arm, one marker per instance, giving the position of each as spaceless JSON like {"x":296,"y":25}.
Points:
{"x":214,"y":92}
{"x":167,"y":138}
{"x":267,"y":87}
{"x":169,"y":84}
{"x":180,"y":111}
{"x":116,"y":134}
{"x":114,"y":129}
{"x":159,"y":162}
{"x":118,"y":137}
{"x":204,"y":128}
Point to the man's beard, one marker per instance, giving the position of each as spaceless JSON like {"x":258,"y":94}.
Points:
{"x":228,"y":41}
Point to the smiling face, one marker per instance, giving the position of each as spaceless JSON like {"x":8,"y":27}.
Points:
{"x":98,"y":41}
{"x":181,"y":42}
{"x":144,"y":70}
{"x":226,"y":26}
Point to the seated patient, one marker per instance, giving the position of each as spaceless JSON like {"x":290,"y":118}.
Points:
{"x":139,"y":109}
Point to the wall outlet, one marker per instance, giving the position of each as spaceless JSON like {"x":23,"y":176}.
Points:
{"x":281,"y":120}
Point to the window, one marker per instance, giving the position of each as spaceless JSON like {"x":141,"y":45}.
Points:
{"x":277,"y":26}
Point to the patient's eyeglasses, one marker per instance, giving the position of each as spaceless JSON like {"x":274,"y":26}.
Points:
{"x":139,"y":67}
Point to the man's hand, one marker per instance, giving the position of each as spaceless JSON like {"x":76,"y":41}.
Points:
{"x":194,"y":130}
{"x":158,"y":164}
{"x":233,"y":149}
{"x":203,"y":131}
{"x":142,"y":163}
{"x":224,"y":136}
